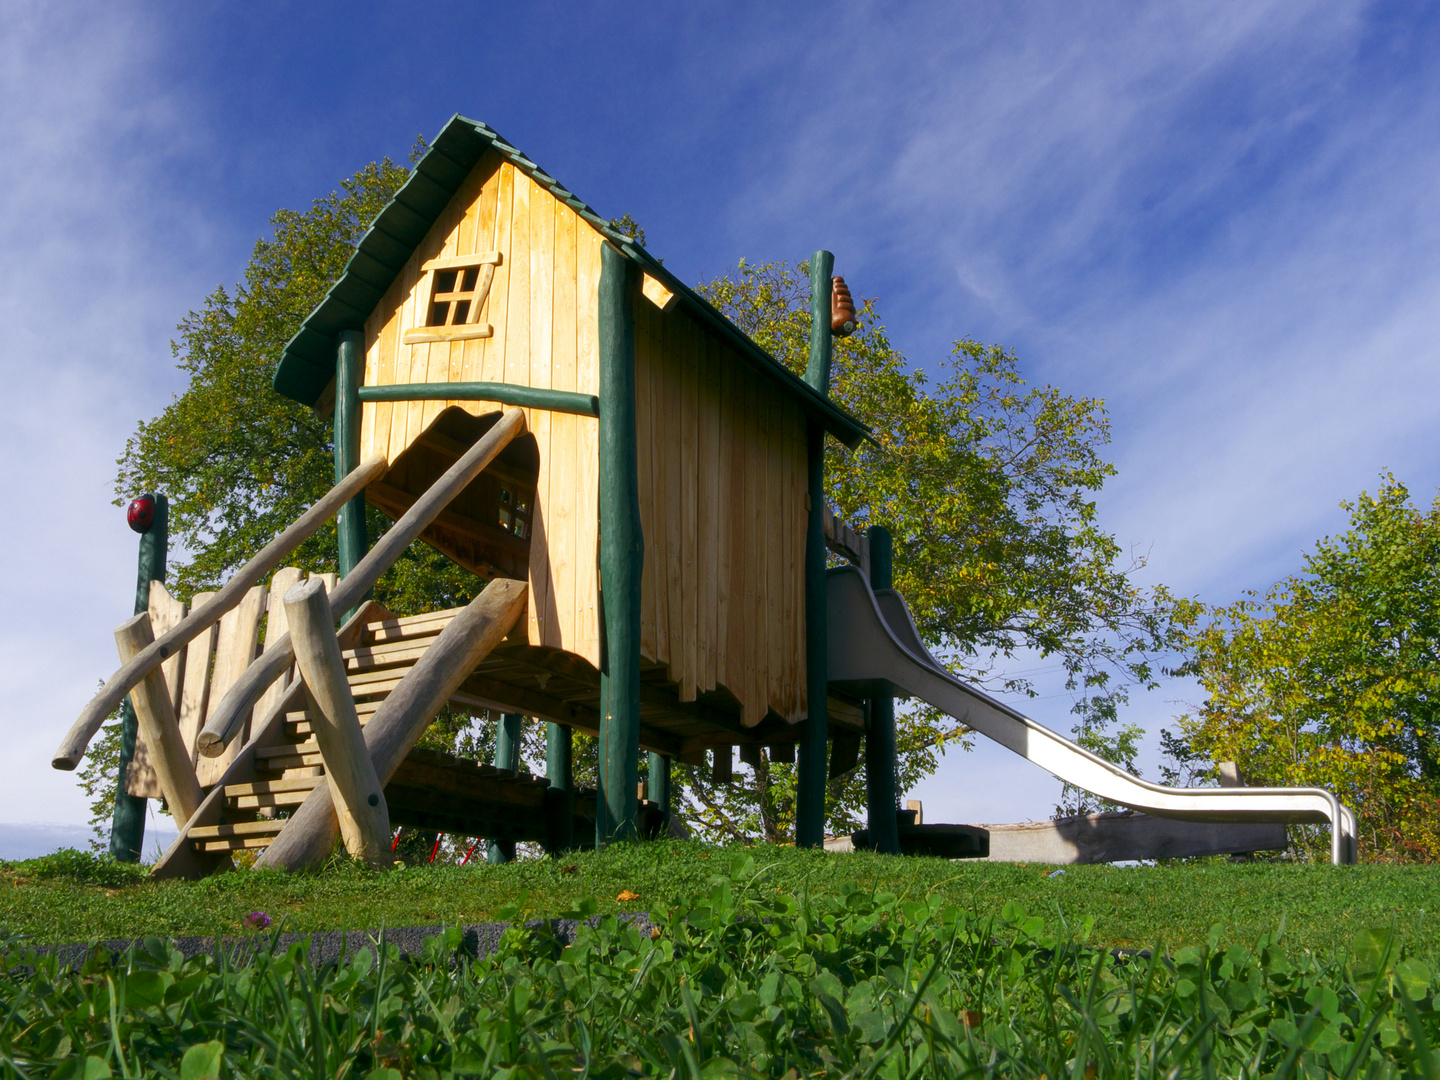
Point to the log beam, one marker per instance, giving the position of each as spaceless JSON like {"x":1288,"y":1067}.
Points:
{"x":360,"y":808}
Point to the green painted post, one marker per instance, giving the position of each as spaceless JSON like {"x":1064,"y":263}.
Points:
{"x":622,"y":553}
{"x":560,"y":798}
{"x":127,"y":824}
{"x":880,"y":739}
{"x":349,"y":374}
{"x":657,"y":784}
{"x":507,"y":756}
{"x":811,"y":766}
{"x":817,"y":369}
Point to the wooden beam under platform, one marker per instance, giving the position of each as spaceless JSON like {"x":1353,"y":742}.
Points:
{"x":557,"y":686}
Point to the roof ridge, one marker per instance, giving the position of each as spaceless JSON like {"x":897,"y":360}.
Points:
{"x":308,"y":362}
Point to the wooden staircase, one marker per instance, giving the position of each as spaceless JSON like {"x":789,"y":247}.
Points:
{"x":289,"y":769}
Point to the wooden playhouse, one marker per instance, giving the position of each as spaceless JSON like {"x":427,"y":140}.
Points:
{"x":660,"y":498}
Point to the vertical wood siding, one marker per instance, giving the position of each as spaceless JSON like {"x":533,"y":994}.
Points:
{"x":542,"y":305}
{"x":722,"y":504}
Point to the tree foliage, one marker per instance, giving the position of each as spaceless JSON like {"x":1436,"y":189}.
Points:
{"x":1331,"y":678}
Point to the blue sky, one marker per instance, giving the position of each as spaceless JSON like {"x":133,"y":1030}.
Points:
{"x":1220,"y":218}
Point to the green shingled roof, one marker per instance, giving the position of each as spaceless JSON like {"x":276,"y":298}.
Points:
{"x":308,"y":363}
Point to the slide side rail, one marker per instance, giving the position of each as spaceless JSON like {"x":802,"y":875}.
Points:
{"x":873,"y":645}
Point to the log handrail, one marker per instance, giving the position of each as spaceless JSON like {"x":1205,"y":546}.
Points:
{"x":72,"y":747}
{"x":227,"y":718}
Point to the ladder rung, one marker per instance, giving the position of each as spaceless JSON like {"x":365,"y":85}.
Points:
{"x":244,"y":828}
{"x":235,"y":843}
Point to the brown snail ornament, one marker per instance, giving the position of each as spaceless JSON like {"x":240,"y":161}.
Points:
{"x":842,"y":308}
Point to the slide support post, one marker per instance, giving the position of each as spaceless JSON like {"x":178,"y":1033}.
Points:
{"x":811,"y":768}
{"x":880,"y":796}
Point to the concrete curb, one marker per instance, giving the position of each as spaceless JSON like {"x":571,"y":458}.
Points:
{"x":323,"y":947}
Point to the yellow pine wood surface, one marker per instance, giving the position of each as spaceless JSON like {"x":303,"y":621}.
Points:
{"x":721,"y":462}
{"x":541,"y":306}
{"x":165,"y":612}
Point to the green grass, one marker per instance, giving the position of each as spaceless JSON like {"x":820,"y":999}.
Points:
{"x":73,"y":898}
{"x":748,"y":976}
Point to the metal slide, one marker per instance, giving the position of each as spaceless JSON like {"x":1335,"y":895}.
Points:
{"x":873,"y":645}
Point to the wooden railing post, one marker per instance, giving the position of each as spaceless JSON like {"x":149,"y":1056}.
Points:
{"x":622,"y":553}
{"x":349,"y":373}
{"x":364,"y":818}
{"x":155,"y":715}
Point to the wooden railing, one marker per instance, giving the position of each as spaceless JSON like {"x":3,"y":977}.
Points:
{"x":72,"y":747}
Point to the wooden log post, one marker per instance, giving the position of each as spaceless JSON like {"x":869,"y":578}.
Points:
{"x":403,"y":716}
{"x":560,"y":795}
{"x":622,"y":554}
{"x":880,"y":806}
{"x":363,"y":817}
{"x":127,"y":822}
{"x":811,"y":769}
{"x":507,"y":756}
{"x":155,"y":715}
{"x":349,"y":374}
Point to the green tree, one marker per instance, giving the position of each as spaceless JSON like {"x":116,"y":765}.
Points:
{"x":1331,"y":678}
{"x":987,"y":486}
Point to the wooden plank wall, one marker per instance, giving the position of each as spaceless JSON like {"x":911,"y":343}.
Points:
{"x":542,"y":305}
{"x":722,"y":506}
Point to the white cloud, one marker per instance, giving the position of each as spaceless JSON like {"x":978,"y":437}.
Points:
{"x":95,"y":260}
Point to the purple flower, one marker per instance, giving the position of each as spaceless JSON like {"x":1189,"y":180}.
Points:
{"x":257,"y":920}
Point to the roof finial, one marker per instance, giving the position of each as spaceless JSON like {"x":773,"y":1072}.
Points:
{"x":842,"y":308}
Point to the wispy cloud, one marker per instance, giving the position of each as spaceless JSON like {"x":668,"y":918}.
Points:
{"x":98,"y":258}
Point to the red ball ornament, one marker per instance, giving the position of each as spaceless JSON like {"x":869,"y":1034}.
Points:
{"x":141,"y":514}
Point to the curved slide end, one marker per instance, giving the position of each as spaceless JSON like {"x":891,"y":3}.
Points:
{"x":874,"y":645}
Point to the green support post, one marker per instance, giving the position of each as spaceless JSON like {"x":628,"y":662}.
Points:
{"x":349,"y":374}
{"x":657,"y":784}
{"x":622,"y":554}
{"x":127,"y":825}
{"x":811,"y":767}
{"x":560,"y":796}
{"x":507,"y":756}
{"x":880,"y":739}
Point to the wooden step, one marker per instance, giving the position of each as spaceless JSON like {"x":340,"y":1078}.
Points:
{"x":367,"y":657}
{"x":287,"y":791}
{"x":244,"y":834}
{"x":288,"y":756}
{"x":411,"y":626}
